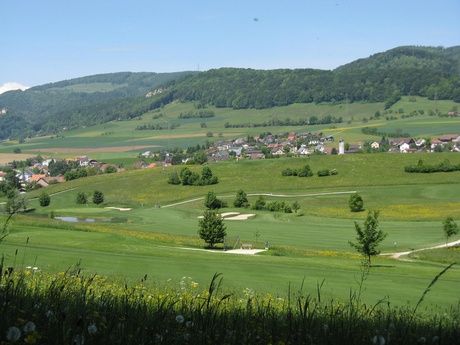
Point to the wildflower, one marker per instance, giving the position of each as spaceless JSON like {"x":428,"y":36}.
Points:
{"x":92,"y":329}
{"x":35,"y":268}
{"x":378,"y":340}
{"x":29,"y":327}
{"x":13,"y":334}
{"x":180,"y":319}
{"x":189,"y":324}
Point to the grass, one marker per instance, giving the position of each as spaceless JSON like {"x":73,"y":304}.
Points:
{"x":444,"y":255}
{"x":69,"y":307}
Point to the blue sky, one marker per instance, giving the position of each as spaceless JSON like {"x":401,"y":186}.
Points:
{"x":51,"y":40}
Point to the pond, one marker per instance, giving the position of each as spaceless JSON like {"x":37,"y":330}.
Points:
{"x":76,"y":220}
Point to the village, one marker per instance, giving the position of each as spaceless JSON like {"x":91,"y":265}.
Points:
{"x":38,"y":172}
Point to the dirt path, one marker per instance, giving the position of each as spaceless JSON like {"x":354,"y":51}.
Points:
{"x":262,"y":194}
{"x":398,"y":255}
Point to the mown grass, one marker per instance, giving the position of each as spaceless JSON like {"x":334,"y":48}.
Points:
{"x":443,"y":255}
{"x":70,"y":308}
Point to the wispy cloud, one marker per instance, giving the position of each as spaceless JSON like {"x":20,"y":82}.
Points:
{"x":9,"y":86}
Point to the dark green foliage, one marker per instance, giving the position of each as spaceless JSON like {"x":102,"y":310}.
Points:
{"x":191,"y":178}
{"x":312,"y":120}
{"x":81,"y":199}
{"x":450,"y":227}
{"x":110,"y":169}
{"x":369,"y":237}
{"x":15,"y":203}
{"x":174,"y":178}
{"x":44,"y":199}
{"x":241,"y":199}
{"x":305,"y":171}
{"x":212,"y":228}
{"x":157,"y":126}
{"x":356,"y":203}
{"x":445,"y":166}
{"x":75,"y":174}
{"x":211,"y":201}
{"x":278,"y":206}
{"x":98,"y":197}
{"x":200,"y":157}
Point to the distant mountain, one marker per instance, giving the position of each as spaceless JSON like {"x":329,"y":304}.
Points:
{"x":432,"y":72}
{"x":81,"y":101}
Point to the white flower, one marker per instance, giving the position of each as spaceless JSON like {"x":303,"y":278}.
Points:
{"x":92,"y":329}
{"x":189,"y":324}
{"x":35,"y":268}
{"x":180,"y":319}
{"x":29,"y":327}
{"x":13,"y":334}
{"x":49,"y":314}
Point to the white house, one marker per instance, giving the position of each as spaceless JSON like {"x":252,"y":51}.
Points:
{"x":404,"y":148}
{"x":375,"y":145}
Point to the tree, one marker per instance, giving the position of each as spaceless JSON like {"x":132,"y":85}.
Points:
{"x":44,"y":199}
{"x":241,"y":199}
{"x":98,"y":197}
{"x":260,"y":203}
{"x":82,"y":199}
{"x":369,"y":237}
{"x":212,"y":228}
{"x":450,"y":228}
{"x":211,"y":202}
{"x":356,"y":203}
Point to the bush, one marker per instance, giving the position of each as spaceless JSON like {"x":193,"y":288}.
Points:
{"x":174,"y":178}
{"x":211,"y":202}
{"x":81,"y":199}
{"x":44,"y":199}
{"x":212,"y":228}
{"x":356,"y":203}
{"x":241,"y":199}
{"x":98,"y":197}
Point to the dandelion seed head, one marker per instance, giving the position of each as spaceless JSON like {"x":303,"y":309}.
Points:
{"x":13,"y":334}
{"x":180,"y":319}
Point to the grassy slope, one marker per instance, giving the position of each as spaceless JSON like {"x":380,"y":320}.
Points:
{"x":123,"y":133}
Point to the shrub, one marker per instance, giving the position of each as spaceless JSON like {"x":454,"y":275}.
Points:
{"x":44,"y":199}
{"x":356,"y":203}
{"x":211,"y":202}
{"x":81,"y":199}
{"x":241,"y":199}
{"x":212,"y":228}
{"x":98,"y":197}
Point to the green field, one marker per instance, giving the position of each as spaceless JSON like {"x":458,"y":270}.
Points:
{"x":163,"y":242}
{"x":118,"y":140}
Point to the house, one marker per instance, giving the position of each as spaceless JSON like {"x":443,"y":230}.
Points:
{"x":404,"y":148}
{"x":435,"y":143}
{"x":420,"y":142}
{"x":83,"y":161}
{"x":292,"y":137}
{"x":277,"y":152}
{"x":319,"y":148}
{"x":2,"y":176}
{"x":237,"y":150}
{"x":353,"y":149}
{"x":303,"y":150}
{"x":256,"y":155}
{"x":375,"y":145}
{"x":47,"y":162}
{"x":146,"y":154}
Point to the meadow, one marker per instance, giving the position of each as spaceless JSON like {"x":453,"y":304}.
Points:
{"x":162,"y":242}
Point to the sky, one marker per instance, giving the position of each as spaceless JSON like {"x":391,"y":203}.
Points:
{"x":50,"y":40}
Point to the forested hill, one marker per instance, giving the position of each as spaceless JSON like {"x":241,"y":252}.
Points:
{"x":422,"y":71}
{"x":81,"y":101}
{"x":432,"y":72}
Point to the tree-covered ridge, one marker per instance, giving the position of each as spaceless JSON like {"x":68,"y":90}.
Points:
{"x":82,"y":101}
{"x":432,"y":72}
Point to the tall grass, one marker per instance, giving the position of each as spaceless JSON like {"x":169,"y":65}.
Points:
{"x":70,"y":308}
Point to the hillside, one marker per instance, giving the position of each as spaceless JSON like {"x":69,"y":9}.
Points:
{"x":76,"y":102}
{"x":423,"y":71}
{"x":383,"y":77}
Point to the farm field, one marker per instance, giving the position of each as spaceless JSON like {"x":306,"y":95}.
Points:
{"x":162,"y":242}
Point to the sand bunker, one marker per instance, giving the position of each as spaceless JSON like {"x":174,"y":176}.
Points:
{"x":229,"y":214}
{"x":119,"y":208}
{"x":241,"y":217}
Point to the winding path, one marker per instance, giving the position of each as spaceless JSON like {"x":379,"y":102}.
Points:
{"x":398,"y":255}
{"x":262,"y":194}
